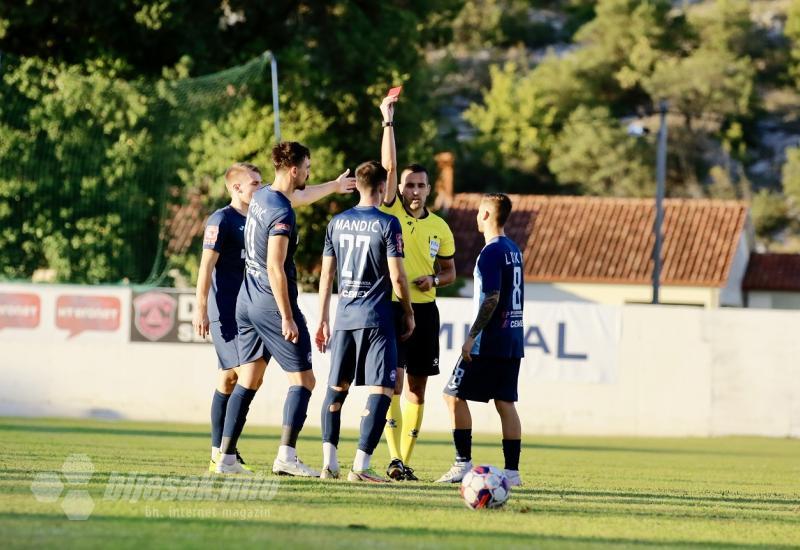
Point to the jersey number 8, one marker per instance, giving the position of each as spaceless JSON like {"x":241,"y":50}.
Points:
{"x":516,"y":293}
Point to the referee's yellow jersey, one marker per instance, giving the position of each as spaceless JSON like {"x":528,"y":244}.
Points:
{"x":424,"y":240}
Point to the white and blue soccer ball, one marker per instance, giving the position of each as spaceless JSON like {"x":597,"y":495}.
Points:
{"x":485,"y":487}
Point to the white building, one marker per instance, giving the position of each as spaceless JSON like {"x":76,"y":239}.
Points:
{"x":593,"y":249}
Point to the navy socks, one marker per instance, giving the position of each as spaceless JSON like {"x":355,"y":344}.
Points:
{"x":463,"y":441}
{"x":373,"y":422}
{"x":235,"y":417}
{"x":218,"y":405}
{"x":511,"y":450}
{"x":332,"y":420}
{"x":294,"y":414}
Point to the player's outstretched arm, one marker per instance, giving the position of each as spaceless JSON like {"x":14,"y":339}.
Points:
{"x":200,"y":320}
{"x":388,"y":149}
{"x":277,"y":249}
{"x":325,"y":285}
{"x":400,"y":285}
{"x":344,"y":184}
{"x":485,"y":312}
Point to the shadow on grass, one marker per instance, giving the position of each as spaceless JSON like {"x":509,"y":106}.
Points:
{"x":438,"y":440}
{"x":688,"y":499}
{"x":340,"y":533}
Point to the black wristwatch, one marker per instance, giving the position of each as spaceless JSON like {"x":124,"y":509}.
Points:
{"x":386,"y":123}
{"x":435,"y":281}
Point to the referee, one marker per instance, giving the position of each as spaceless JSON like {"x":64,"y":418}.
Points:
{"x":429,"y":264}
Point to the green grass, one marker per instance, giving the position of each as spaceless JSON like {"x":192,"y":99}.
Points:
{"x":580,"y":492}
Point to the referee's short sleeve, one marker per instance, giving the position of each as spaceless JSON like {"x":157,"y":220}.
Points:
{"x":447,"y":248}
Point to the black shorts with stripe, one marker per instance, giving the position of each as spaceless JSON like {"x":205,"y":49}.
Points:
{"x":419,"y":355}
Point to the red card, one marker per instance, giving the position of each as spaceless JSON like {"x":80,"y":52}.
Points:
{"x":394,"y":92}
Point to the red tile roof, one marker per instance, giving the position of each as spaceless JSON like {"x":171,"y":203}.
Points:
{"x":609,"y":240}
{"x":773,"y":272}
{"x":183,"y":223}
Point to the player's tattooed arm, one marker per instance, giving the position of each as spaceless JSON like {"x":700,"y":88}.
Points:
{"x":344,"y":184}
{"x":389,"y":150}
{"x":485,"y":313}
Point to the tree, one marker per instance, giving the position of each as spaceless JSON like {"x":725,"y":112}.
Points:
{"x":790,"y":175}
{"x":707,"y":83}
{"x":769,"y":212}
{"x":792,"y":31}
{"x":594,"y":151}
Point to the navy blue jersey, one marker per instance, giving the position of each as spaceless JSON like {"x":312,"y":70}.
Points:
{"x":361,"y":239}
{"x":225,"y":234}
{"x":270,"y":214}
{"x":499,"y":267}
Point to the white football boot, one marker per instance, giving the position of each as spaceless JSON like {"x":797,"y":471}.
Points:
{"x":293,"y":468}
{"x":513,"y":478}
{"x":456,"y":472}
{"x":235,"y":468}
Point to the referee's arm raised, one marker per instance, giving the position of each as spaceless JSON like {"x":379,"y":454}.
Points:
{"x":389,"y":150}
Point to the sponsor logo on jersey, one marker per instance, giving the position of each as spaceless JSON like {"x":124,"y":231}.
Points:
{"x":399,"y":238}
{"x":210,"y":236}
{"x":281,"y":227}
{"x":154,"y":314}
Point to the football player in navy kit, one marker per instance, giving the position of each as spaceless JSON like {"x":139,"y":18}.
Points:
{"x":490,"y":358}
{"x":365,"y":247}
{"x":221,"y":272}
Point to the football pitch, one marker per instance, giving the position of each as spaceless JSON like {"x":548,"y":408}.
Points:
{"x":580,"y":492}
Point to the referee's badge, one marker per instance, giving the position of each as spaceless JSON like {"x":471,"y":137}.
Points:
{"x":434,"y":248}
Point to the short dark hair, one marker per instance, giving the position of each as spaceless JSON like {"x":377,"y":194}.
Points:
{"x":501,"y":205}
{"x":415,"y":168}
{"x":289,"y":153}
{"x":369,"y":175}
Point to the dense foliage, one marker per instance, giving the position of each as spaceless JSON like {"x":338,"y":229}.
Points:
{"x":109,"y":110}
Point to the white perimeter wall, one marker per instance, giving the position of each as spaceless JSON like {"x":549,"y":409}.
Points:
{"x":674,"y":371}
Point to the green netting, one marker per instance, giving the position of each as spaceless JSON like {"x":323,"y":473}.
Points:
{"x":89,"y":163}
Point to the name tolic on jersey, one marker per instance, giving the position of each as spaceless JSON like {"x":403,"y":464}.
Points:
{"x":499,"y":267}
{"x":270,"y":214}
{"x":361,"y":239}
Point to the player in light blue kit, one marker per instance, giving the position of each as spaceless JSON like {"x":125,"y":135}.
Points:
{"x":490,"y":358}
{"x":365,"y":247}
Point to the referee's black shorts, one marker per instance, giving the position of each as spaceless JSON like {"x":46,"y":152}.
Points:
{"x":419,"y":355}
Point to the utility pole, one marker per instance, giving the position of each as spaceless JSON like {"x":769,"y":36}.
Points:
{"x":273,"y":65}
{"x":661,"y":175}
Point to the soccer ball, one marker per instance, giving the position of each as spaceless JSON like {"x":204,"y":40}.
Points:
{"x":485,"y":487}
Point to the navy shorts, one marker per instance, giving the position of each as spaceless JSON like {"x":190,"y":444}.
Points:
{"x":484,"y":378}
{"x":260,"y":335}
{"x":225,"y":336}
{"x":364,"y":357}
{"x":419,"y":355}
